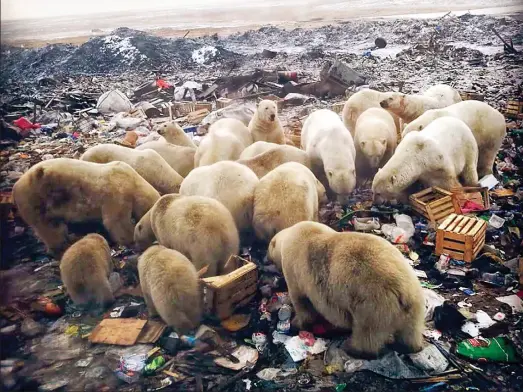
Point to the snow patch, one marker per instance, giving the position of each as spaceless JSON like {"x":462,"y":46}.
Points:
{"x":204,"y":54}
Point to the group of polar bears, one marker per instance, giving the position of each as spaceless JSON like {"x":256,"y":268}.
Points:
{"x":197,"y":202}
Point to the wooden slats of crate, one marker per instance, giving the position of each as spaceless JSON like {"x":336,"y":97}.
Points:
{"x":461,"y":237}
{"x":434,"y":203}
{"x":514,"y":108}
{"x":467,"y":95}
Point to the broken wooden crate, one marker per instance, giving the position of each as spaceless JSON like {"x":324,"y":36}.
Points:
{"x":461,"y":237}
{"x":230,"y":291}
{"x":434,"y":203}
{"x":477,"y":195}
{"x":223,"y":102}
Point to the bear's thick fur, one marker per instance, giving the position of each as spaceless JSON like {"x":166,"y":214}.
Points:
{"x":174,"y":134}
{"x":267,"y":161}
{"x":331,"y":150}
{"x":375,"y":139}
{"x":287,"y":195}
{"x":410,"y":106}
{"x":170,"y":287}
{"x":85,"y":268}
{"x":353,"y":280}
{"x":257,"y":148}
{"x":265,"y":124}
{"x":486,"y":123}
{"x":59,"y":191}
{"x":230,"y":183}
{"x":361,"y":101}
{"x":147,"y":163}
{"x":200,"y":228}
{"x":226,"y":140}
{"x":180,"y":158}
{"x":441,"y":155}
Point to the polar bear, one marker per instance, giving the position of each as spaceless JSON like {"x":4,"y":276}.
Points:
{"x":60,"y":191}
{"x":263,"y":163}
{"x":180,"y":158}
{"x":200,"y":228}
{"x":444,"y":153}
{"x":85,"y":268}
{"x":172,"y":133}
{"x":257,"y":148}
{"x":410,"y":106}
{"x":147,"y":163}
{"x":226,"y":140}
{"x":331,"y":150}
{"x":486,"y":123}
{"x":230,"y":183}
{"x":265,"y":125}
{"x":170,"y":287}
{"x":353,"y":280}
{"x":359,"y":103}
{"x":375,"y":139}
{"x":287,"y":195}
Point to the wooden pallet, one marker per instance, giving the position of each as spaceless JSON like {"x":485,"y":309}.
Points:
{"x":230,"y":291}
{"x":461,"y":237}
{"x":434,"y":203}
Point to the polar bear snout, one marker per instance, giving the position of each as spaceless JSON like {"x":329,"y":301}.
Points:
{"x":385,"y":104}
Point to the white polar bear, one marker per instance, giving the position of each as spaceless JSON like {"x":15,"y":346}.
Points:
{"x":265,"y":124}
{"x":486,"y":123}
{"x":440,"y":155}
{"x":375,"y":139}
{"x":410,"y":106}
{"x":226,"y":140}
{"x":230,"y":183}
{"x":331,"y":150}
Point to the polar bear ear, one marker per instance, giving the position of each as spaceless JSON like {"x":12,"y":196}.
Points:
{"x":362,"y":143}
{"x":392,"y":179}
{"x":383,"y":141}
{"x":329,"y":173}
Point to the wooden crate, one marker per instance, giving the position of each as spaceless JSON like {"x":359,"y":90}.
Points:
{"x":223,"y":102}
{"x":461,"y":237}
{"x":232,"y":290}
{"x":467,"y":95}
{"x":203,"y":105}
{"x":183,"y":108}
{"x":478,"y":195}
{"x":434,"y":203}
{"x":514,"y":109}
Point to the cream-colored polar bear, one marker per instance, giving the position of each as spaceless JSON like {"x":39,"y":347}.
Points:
{"x":331,"y":150}
{"x":353,"y":280}
{"x":287,"y":195}
{"x":230,"y":183}
{"x":486,"y":123}
{"x":265,"y":124}
{"x":410,"y":106}
{"x":170,"y":287}
{"x":267,"y":161}
{"x":200,"y":228}
{"x":444,"y":154}
{"x":147,"y":163}
{"x":180,"y":158}
{"x":85,"y":269}
{"x":257,"y":148}
{"x":359,"y":103}
{"x":172,"y":133}
{"x":375,"y":139}
{"x":54,"y":193}
{"x":226,"y":140}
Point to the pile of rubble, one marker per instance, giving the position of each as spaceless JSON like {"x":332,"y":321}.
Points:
{"x":50,"y":344}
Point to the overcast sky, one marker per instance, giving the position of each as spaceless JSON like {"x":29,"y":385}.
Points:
{"x":27,"y":9}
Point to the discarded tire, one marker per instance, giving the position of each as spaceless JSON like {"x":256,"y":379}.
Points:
{"x":380,"y":42}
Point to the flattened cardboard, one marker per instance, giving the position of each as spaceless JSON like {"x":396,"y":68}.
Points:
{"x":119,"y":331}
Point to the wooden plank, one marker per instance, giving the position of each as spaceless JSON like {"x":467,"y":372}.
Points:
{"x":414,"y":201}
{"x":422,"y":193}
{"x":454,"y":236}
{"x":455,"y":222}
{"x":476,"y":227}
{"x":443,"y":214}
{"x":460,"y":225}
{"x":469,"y":245}
{"x":439,"y":241}
{"x":465,"y":229}
{"x":439,"y":202}
{"x":447,"y":222}
{"x":480,"y":233}
{"x":478,"y":246}
{"x":151,"y":332}
{"x":443,"y":207}
{"x":454,"y":254}
{"x":442,"y":191}
{"x":454,"y":245}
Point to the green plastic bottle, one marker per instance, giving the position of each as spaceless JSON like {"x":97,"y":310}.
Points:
{"x":152,"y":366}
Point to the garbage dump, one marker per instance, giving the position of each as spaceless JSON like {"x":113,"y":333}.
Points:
{"x":430,"y":278}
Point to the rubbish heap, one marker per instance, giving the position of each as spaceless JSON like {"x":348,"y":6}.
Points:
{"x":58,"y":101}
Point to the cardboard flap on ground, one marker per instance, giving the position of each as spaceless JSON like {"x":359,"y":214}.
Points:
{"x":119,"y":331}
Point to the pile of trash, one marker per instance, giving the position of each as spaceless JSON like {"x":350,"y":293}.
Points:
{"x":474,"y":309}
